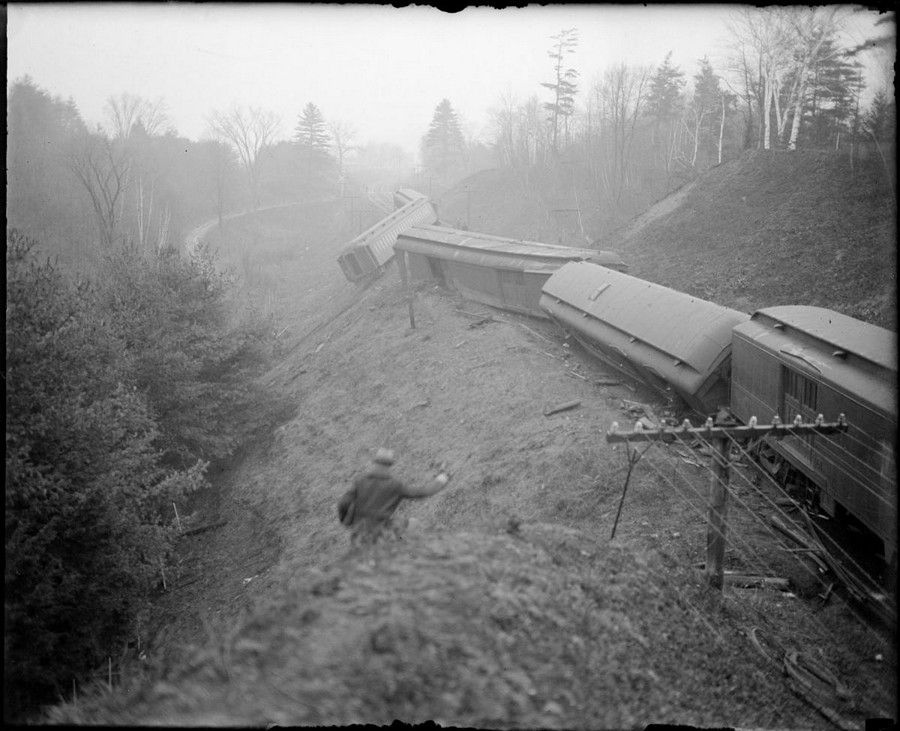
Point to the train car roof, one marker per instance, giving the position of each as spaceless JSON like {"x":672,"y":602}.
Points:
{"x":385,"y":223}
{"x":840,"y":332}
{"x":488,"y":250}
{"x":854,"y":357}
{"x":688,"y":329}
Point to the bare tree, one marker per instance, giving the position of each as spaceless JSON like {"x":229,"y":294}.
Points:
{"x":249,"y":131}
{"x":342,"y":134}
{"x":103,"y":166}
{"x":126,"y":111}
{"x":503,"y":125}
{"x":621,"y":94}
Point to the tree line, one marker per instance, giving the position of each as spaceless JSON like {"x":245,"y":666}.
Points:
{"x":640,"y":132}
{"x":80,"y":190}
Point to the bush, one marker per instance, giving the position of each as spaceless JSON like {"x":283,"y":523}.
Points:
{"x":191,"y":356}
{"x":85,"y":486}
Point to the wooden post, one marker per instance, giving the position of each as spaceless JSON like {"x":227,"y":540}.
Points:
{"x":403,"y":265}
{"x":718,"y":507}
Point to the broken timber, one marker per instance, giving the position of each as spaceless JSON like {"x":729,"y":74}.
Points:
{"x":722,"y":433}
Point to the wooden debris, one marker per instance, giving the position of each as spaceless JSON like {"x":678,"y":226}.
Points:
{"x":535,"y":332}
{"x":482,"y":321}
{"x":748,"y":581}
{"x":605,"y":382}
{"x":562,"y":407}
{"x":204,"y":528}
{"x":460,"y":343}
{"x":577,"y":375}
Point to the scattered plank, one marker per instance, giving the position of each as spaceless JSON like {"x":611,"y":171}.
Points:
{"x":536,"y":333}
{"x":204,"y":528}
{"x":577,"y":375}
{"x":562,"y":407}
{"x":747,"y":581}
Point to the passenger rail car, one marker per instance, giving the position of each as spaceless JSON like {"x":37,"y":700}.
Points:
{"x":804,"y":361}
{"x":658,"y":335}
{"x":369,"y":252}
{"x":406,"y":195}
{"x":495,"y":271}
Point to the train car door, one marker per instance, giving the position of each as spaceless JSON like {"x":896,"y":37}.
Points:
{"x":800,"y":399}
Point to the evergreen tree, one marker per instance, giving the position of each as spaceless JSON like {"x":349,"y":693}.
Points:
{"x":832,"y":105}
{"x":664,"y":107}
{"x":664,"y":97}
{"x":87,"y":499}
{"x":312,"y":137}
{"x":564,"y":87}
{"x":443,"y":147}
{"x":880,"y":120}
{"x":706,"y":101}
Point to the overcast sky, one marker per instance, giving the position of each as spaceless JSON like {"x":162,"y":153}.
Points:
{"x":380,"y":68}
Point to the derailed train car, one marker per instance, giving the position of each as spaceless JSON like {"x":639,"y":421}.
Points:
{"x":402,"y":196}
{"x":368,"y":253}
{"x":496,"y":271}
{"x":665,"y":338}
{"x":805,"y":361}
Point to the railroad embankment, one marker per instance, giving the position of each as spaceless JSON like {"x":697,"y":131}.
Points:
{"x":769,"y":228}
{"x":505,"y":604}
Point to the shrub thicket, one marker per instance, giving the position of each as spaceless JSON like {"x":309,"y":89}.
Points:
{"x":115,"y":392}
{"x":191,"y":356}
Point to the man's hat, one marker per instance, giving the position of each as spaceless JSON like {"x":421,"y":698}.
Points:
{"x":384,"y":456}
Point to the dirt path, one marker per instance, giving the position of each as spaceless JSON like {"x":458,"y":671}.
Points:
{"x":655,"y":212}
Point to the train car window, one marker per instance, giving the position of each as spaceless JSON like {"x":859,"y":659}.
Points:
{"x":800,"y":389}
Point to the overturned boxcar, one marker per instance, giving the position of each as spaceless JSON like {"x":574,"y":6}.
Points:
{"x":368,"y":254}
{"x":496,"y":271}
{"x":670,"y":340}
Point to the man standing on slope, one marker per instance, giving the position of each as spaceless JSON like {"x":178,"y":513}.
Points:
{"x":366,"y":508}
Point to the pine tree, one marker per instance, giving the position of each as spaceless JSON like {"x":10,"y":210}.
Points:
{"x":664,"y":98}
{"x":706,"y":101}
{"x":443,"y":146}
{"x":564,"y":87}
{"x":311,"y":135}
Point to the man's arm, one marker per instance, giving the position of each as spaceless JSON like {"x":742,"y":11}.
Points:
{"x":345,"y":506}
{"x":432,"y":488}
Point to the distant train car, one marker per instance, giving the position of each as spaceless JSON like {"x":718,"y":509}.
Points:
{"x":496,"y":271}
{"x":406,"y":195}
{"x":806,"y":361}
{"x":661,"y":336}
{"x":369,"y":252}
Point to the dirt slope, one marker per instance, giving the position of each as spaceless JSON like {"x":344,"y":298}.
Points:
{"x":505,"y":604}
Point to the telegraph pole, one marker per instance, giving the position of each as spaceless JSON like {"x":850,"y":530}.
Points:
{"x":721,"y":436}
